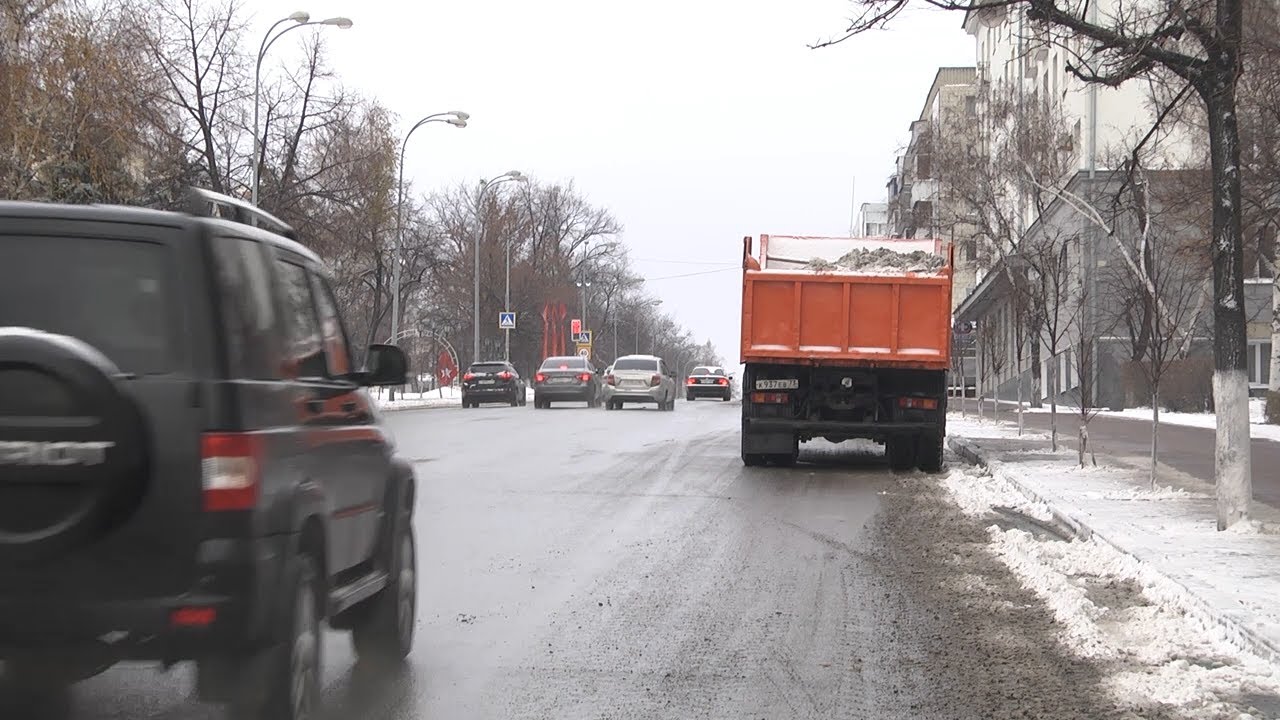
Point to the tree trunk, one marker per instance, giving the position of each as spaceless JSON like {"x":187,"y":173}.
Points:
{"x":1036,"y":380}
{"x":1053,"y":406}
{"x":1020,"y":403}
{"x":1273,"y":382}
{"x":1155,"y":431}
{"x":1232,"y":466}
{"x":1082,"y":441}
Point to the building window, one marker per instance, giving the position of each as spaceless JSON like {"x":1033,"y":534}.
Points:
{"x":1259,"y":356}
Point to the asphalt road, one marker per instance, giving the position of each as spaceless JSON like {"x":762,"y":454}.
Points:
{"x":579,"y":563}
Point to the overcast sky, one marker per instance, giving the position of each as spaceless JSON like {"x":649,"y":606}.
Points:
{"x":695,"y":122}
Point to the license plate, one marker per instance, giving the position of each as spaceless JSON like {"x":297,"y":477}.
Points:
{"x":790,"y":384}
{"x":706,"y":381}
{"x":561,"y":380}
{"x":486,"y":382}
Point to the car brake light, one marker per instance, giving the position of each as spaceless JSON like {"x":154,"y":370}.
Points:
{"x":504,"y":375}
{"x":585,"y":377}
{"x":655,"y":381}
{"x":564,"y":367}
{"x":723,"y":381}
{"x":770,"y":398}
{"x":692,"y":380}
{"x":193,"y":617}
{"x":469,"y":376}
{"x":610,"y":379}
{"x":918,"y":403}
{"x":230,"y":464}
{"x":539,"y":378}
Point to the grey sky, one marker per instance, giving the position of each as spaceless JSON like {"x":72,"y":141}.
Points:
{"x":695,"y":123}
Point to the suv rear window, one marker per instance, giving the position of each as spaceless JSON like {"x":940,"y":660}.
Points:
{"x":636,"y":364}
{"x":112,"y":294}
{"x":487,"y":368}
{"x":573,"y":362}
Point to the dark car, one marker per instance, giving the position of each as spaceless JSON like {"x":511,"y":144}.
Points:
{"x":571,"y":378}
{"x":488,"y":382}
{"x":190,"y":466}
{"x":708,"y":381}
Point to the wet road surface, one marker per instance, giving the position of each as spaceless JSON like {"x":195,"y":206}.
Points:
{"x":580,"y":563}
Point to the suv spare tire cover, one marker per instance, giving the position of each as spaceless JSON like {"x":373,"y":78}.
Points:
{"x":73,"y":447}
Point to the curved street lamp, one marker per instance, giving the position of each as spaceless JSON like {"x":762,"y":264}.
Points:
{"x":509,"y":176}
{"x":456,"y":118}
{"x":300,"y":19}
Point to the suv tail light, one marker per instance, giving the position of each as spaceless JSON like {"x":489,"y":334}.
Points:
{"x":539,"y":378}
{"x":504,"y":375}
{"x":655,"y":381}
{"x":469,"y":376}
{"x":610,"y":379}
{"x":230,"y":464}
{"x":585,"y":377}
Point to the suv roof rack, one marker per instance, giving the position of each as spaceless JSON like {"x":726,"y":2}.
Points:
{"x":207,"y":203}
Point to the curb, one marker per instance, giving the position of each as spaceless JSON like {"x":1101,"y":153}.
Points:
{"x":1242,"y":635}
{"x":415,"y":407}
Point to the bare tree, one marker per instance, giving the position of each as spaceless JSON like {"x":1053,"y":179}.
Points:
{"x":196,"y":48}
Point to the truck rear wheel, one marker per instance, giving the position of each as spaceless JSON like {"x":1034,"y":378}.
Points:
{"x":929,"y":453}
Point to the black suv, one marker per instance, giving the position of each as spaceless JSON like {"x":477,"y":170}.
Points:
{"x":497,"y":381}
{"x":190,"y":468}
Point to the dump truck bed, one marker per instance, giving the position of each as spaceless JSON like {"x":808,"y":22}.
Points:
{"x":799,"y":307}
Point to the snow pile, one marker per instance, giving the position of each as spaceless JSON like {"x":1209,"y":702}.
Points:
{"x":1161,"y":647}
{"x":977,"y":493}
{"x":881,"y":261}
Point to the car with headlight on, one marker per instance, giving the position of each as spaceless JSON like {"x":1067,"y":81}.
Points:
{"x":640,"y":379}
{"x":570,"y":378}
{"x":708,"y":381}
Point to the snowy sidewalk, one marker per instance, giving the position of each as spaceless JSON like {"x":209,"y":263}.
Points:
{"x":1226,"y":579}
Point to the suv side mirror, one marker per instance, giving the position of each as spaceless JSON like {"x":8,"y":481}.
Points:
{"x":386,"y":365}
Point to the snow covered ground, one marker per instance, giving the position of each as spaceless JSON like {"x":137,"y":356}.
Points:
{"x":1186,"y":615}
{"x":448,"y":397}
{"x":1258,"y":427}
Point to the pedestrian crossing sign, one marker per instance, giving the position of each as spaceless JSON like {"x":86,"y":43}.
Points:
{"x":506,"y":321}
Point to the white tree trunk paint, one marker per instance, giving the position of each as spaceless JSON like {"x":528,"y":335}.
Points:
{"x":1019,"y":403}
{"x":1232,"y":450}
{"x":1155,"y":432}
{"x":1273,"y":383}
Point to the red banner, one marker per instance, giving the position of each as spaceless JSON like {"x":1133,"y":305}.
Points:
{"x":446,"y":370}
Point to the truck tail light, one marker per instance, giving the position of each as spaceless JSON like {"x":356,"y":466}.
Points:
{"x":655,"y":381}
{"x":230,"y":465}
{"x":540,"y":378}
{"x":916,"y":403}
{"x":770,"y":398}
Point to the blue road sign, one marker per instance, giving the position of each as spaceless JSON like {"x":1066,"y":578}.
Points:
{"x":506,"y":321}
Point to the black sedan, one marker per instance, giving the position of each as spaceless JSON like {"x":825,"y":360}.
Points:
{"x":708,"y":381}
{"x":571,"y":378}
{"x":492,"y":382}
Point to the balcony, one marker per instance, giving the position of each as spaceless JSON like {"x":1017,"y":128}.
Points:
{"x":924,"y":191}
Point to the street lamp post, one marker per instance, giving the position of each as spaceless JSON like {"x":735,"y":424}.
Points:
{"x":456,"y":118}
{"x":300,"y":19}
{"x":509,"y":176}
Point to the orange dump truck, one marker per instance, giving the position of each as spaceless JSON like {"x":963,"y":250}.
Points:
{"x":845,"y":338}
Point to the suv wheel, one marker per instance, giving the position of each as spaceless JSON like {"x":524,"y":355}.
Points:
{"x":291,"y":684}
{"x":385,"y":633}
